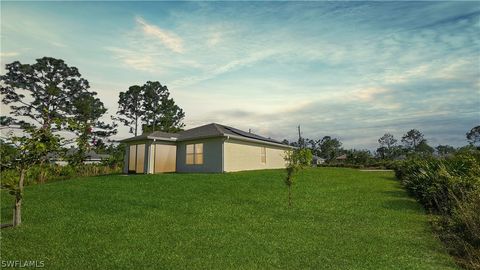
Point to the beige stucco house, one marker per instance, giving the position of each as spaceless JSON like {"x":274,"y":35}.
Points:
{"x":208,"y":148}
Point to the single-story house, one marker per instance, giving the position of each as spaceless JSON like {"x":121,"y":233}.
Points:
{"x":208,"y":148}
{"x":316,"y":160}
{"x":91,"y":157}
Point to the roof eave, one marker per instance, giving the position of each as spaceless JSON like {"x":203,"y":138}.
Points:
{"x":241,"y":138}
{"x":172,"y":139}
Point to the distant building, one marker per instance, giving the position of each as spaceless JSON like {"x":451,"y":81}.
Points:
{"x":91,"y":157}
{"x":316,"y":160}
{"x":341,"y":158}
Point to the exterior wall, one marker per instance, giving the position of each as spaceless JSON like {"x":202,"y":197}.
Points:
{"x":219,"y":155}
{"x":212,"y":156}
{"x":146,"y":163}
{"x":242,"y":156}
{"x":126,"y":159}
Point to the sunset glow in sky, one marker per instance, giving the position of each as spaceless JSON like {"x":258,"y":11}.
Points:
{"x":352,"y":70}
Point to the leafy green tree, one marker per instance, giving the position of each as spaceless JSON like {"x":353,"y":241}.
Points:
{"x":412,"y":138}
{"x":445,"y":150}
{"x":314,"y":146}
{"x":151,"y":107}
{"x":8,"y":153}
{"x":387,"y":142}
{"x":84,"y":121}
{"x":130,"y":108}
{"x":160,"y":111}
{"x":40,"y":92}
{"x":296,"y":159}
{"x":99,"y":146}
{"x":50,"y":94}
{"x":359,"y":157}
{"x":30,"y":150}
{"x":381,"y":152}
{"x":117,"y":154}
{"x":423,"y":148}
{"x":329,"y":147}
{"x":6,"y":121}
{"x":397,"y":151}
{"x":473,"y":136}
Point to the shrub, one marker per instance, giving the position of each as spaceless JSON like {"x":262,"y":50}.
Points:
{"x":460,"y":230}
{"x":449,"y":188}
{"x":373,"y":164}
{"x":52,"y":172}
{"x":435,"y":182}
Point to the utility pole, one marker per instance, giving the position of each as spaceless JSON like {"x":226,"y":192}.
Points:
{"x":300,"y":144}
{"x":154,"y":118}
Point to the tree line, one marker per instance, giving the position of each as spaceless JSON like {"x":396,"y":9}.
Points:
{"x":411,"y":143}
{"x":53,"y":99}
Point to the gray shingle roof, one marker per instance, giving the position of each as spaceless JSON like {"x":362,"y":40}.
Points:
{"x":205,"y":131}
{"x":90,"y":155}
{"x":153,"y":135}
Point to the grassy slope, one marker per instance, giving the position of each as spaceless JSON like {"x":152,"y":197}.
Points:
{"x":341,"y":219}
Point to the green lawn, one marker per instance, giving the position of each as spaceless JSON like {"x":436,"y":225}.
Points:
{"x":341,"y":219}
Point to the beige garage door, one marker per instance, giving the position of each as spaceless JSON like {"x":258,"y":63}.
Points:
{"x":165,"y":158}
{"x":136,"y":158}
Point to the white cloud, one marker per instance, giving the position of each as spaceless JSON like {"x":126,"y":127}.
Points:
{"x":456,"y":69}
{"x":134,"y":59}
{"x":369,"y":93}
{"x":214,"y":39}
{"x":168,"y":39}
{"x":58,"y":44}
{"x":9,"y":54}
{"x":408,"y":74}
{"x":230,"y":66}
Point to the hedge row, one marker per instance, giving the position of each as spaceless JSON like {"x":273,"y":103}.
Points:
{"x":449,"y":189}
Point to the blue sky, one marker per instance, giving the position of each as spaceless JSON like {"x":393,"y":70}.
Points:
{"x":353,"y":70}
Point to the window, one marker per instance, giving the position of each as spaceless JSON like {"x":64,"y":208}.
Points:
{"x":190,"y":154}
{"x":140,"y":158}
{"x":199,"y":153}
{"x":132,"y":159}
{"x":194,"y":154}
{"x":263,"y":155}
{"x":136,"y":158}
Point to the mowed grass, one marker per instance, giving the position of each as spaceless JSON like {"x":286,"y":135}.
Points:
{"x":341,"y":219}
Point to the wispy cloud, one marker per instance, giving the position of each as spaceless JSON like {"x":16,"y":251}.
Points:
{"x":347,"y":69}
{"x":214,"y":39}
{"x":221,"y":69}
{"x":368,"y":94}
{"x":9,"y":54}
{"x":167,"y":38}
{"x":133,"y":59}
{"x":151,"y":49}
{"x":58,"y":44}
